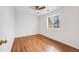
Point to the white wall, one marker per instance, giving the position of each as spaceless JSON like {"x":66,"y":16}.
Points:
{"x":7,"y":27}
{"x":69,"y":29}
{"x":26,"y":22}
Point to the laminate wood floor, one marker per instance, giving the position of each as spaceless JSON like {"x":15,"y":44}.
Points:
{"x":40,"y":43}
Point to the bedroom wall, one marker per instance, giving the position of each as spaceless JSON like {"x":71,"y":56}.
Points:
{"x":6,"y":27}
{"x":69,"y":21}
{"x":26,"y":22}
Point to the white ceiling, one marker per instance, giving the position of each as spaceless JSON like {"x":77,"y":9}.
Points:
{"x":26,"y":9}
{"x":46,"y":10}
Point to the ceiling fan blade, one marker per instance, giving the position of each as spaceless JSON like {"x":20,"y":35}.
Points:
{"x":36,"y":7}
{"x":42,"y":7}
{"x":39,"y":7}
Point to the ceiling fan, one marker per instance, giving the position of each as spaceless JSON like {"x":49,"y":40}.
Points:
{"x":38,"y":8}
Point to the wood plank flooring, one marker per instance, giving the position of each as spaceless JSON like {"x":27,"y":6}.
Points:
{"x":40,"y":43}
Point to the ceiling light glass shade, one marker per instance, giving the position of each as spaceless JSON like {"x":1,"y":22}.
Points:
{"x":37,"y":11}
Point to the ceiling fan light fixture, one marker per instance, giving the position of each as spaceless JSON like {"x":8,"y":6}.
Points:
{"x":38,"y":8}
{"x":37,"y":11}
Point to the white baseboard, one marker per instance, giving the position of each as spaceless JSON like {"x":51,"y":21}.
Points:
{"x":26,"y":35}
